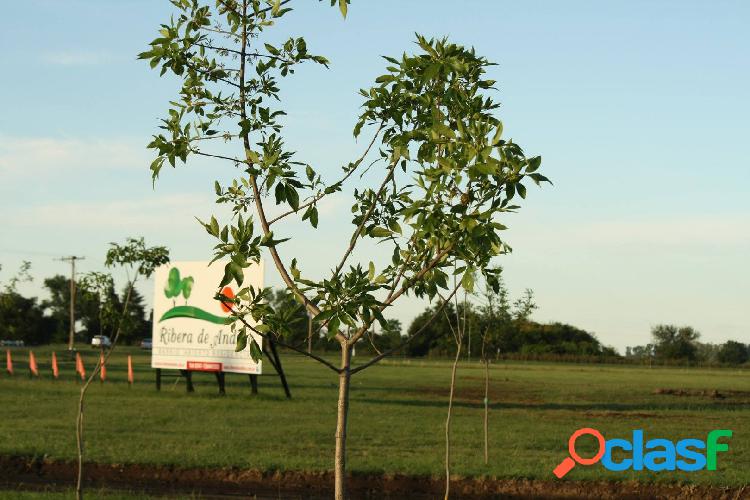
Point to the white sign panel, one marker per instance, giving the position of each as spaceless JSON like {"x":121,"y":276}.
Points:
{"x":191,"y":329}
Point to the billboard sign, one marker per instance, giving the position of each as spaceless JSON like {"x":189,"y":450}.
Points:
{"x":191,"y":329}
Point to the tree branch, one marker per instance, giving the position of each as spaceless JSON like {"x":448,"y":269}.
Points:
{"x":237,"y":52}
{"x":355,"y":165}
{"x":229,"y":158}
{"x":358,"y":335}
{"x":436,"y":260}
{"x":309,"y":305}
{"x":355,"y":236}
{"x":408,"y":340}
{"x":288,"y":346}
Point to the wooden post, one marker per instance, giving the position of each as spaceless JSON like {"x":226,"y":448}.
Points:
{"x":188,"y":379}
{"x":279,"y":368}
{"x":253,"y":384}
{"x":158,"y":379}
{"x":220,"y":379}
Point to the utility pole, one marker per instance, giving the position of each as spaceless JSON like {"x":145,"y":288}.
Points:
{"x":72,"y":259}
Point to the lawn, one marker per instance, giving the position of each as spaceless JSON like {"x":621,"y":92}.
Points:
{"x":396,"y":417}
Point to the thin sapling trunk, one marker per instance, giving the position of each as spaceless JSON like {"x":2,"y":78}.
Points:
{"x":342,"y":415}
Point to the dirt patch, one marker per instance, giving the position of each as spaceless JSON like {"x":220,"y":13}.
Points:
{"x":29,"y":473}
{"x":705,"y":393}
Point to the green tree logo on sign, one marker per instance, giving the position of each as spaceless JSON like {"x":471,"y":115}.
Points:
{"x":176,"y":286}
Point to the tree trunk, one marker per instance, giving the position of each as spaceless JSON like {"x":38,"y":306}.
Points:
{"x":341,"y":421}
{"x":486,"y":410}
{"x":448,"y":423}
{"x":79,"y":442}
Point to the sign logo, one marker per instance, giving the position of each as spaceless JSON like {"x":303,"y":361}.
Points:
{"x":655,"y":455}
{"x":176,"y":286}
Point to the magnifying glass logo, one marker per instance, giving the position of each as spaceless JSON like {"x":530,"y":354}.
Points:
{"x":569,"y":462}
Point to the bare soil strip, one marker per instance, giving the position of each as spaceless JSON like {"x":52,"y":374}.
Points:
{"x":29,"y":473}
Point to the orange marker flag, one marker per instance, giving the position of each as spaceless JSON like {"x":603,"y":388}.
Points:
{"x":130,"y":370}
{"x":103,"y":369}
{"x":55,"y":371}
{"x":9,"y":362}
{"x":32,"y":364}
{"x":79,"y":366}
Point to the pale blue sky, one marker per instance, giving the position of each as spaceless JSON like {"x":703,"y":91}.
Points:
{"x":639,"y":110}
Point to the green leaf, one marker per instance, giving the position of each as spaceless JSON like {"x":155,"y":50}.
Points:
{"x":467,"y":281}
{"x":444,"y":130}
{"x":533,"y":164}
{"x":380,"y":232}
{"x":371,"y":273}
{"x":314,"y":217}
{"x":324,"y":315}
{"x":498,"y":134}
{"x":276,"y":6}
{"x":343,"y":7}
{"x":333,"y":326}
{"x":539,"y":178}
{"x":292,"y":197}
{"x":521,"y":190}
{"x":486,"y":168}
{"x":280,"y":193}
{"x":241,"y":341}
{"x":253,"y":156}
{"x":255,"y":351}
{"x":237,"y":273}
{"x":214,"y":226}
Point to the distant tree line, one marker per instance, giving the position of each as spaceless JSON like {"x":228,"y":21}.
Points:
{"x":505,"y":330}
{"x":673,"y":344}
{"x":36,"y":321}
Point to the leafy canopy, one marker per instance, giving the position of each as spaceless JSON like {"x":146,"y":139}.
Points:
{"x":445,"y":172}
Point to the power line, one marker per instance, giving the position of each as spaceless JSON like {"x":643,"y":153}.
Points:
{"x":72,"y":259}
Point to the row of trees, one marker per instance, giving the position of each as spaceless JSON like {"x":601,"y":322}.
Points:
{"x":42,"y":321}
{"x":672,"y":344}
{"x":504,"y":327}
{"x":507,"y":327}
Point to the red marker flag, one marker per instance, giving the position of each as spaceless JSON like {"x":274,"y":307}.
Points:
{"x":130,"y":370}
{"x":9,"y":362}
{"x":79,"y":366}
{"x":103,"y":369}
{"x":33,"y":368}
{"x":55,"y":371}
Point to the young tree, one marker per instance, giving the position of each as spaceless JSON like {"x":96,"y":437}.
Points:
{"x":101,"y":302}
{"x":444,"y":171}
{"x":733,"y":353}
{"x":672,"y":342}
{"x":495,"y":321}
{"x":138,"y":261}
{"x":458,"y":332}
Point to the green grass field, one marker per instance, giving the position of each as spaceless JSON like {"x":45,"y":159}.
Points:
{"x":396,"y":419}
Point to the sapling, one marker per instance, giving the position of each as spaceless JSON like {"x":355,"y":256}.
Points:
{"x":138,"y":261}
{"x":443,"y":175}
